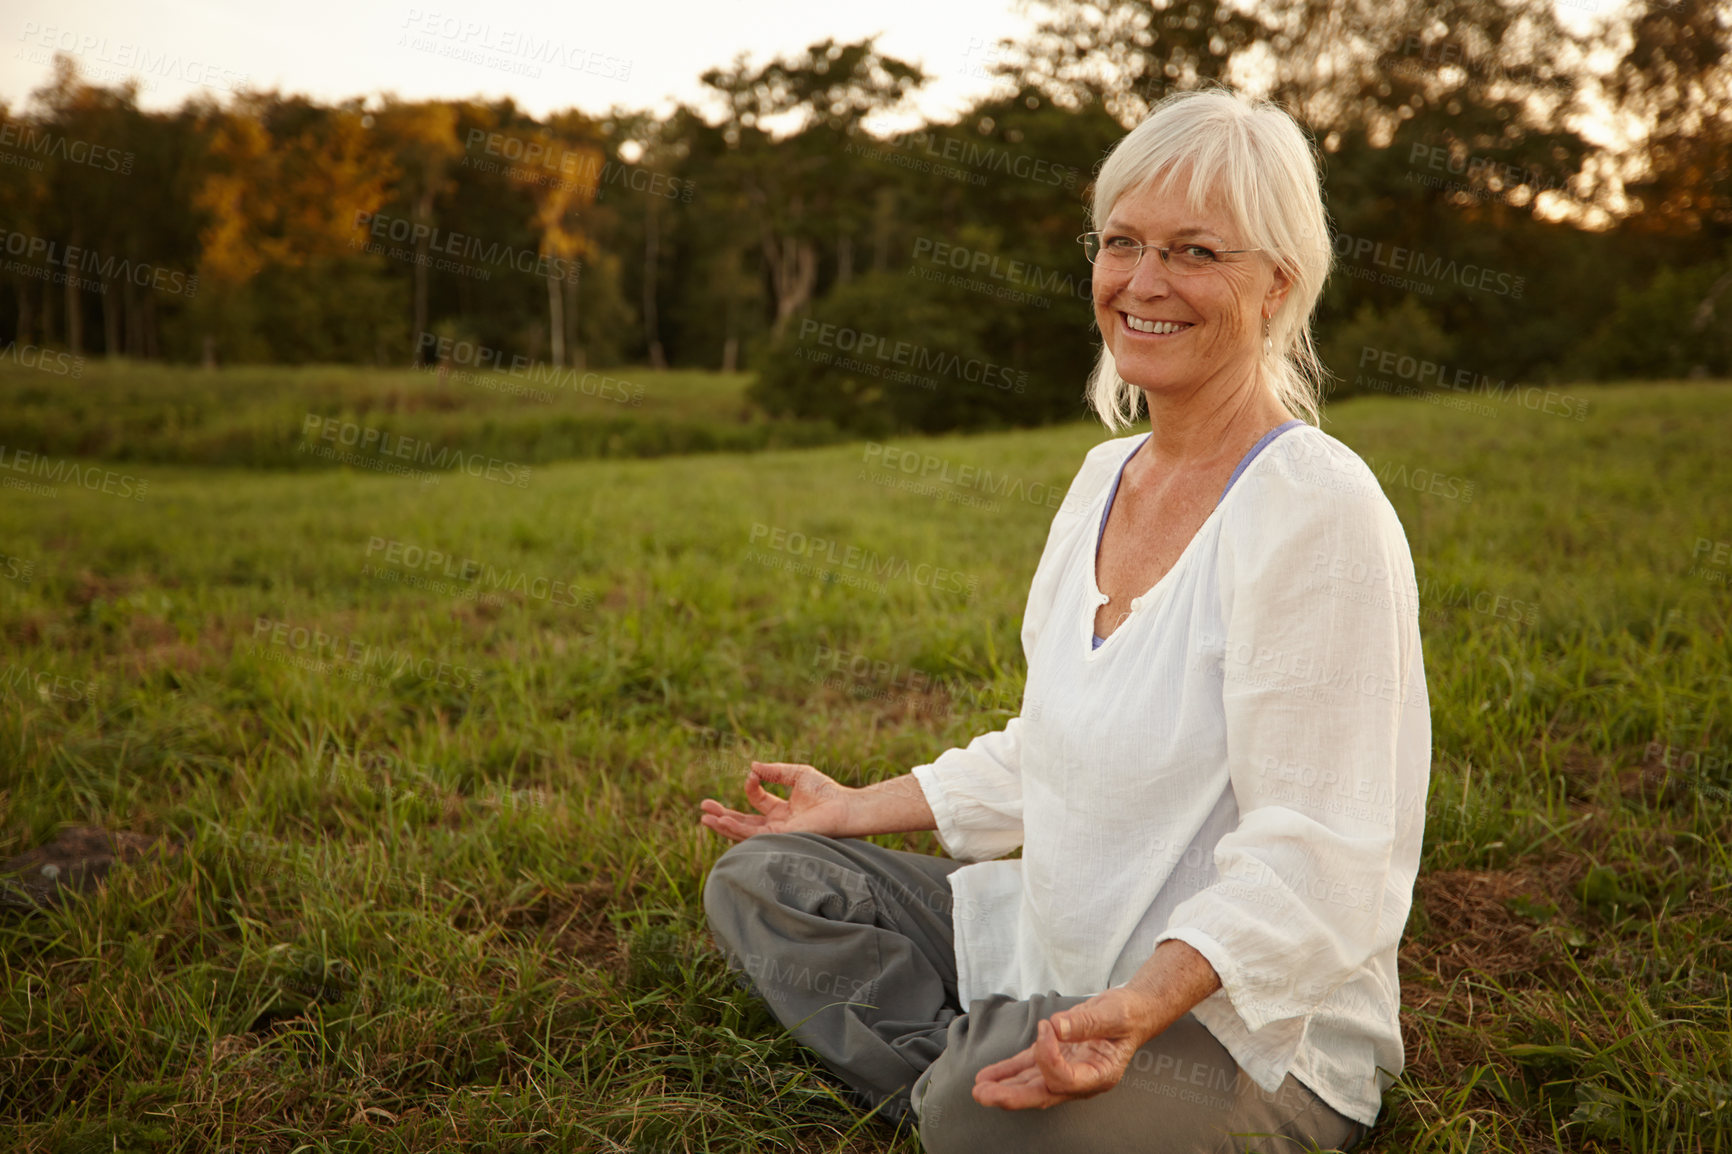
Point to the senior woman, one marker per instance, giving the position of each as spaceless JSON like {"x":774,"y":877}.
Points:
{"x":1217,"y":777}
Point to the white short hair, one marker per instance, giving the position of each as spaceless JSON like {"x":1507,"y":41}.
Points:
{"x":1265,"y":170}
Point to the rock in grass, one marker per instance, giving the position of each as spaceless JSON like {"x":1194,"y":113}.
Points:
{"x":77,"y":858}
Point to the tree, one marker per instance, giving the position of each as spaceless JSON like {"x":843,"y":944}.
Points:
{"x":797,"y":186}
{"x":1674,"y":81}
{"x":422,"y":140}
{"x":559,"y":191}
{"x":1126,"y":54}
{"x":290,"y":191}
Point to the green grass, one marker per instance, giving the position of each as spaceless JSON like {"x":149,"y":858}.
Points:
{"x":430,"y":907}
{"x":258,"y":416}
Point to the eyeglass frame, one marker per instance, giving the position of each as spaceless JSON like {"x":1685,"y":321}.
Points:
{"x":1164,"y":250}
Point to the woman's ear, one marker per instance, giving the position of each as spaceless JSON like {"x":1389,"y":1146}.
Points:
{"x":1278,"y":290}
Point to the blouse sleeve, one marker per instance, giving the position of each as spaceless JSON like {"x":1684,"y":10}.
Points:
{"x":1328,"y":739}
{"x":976,"y":792}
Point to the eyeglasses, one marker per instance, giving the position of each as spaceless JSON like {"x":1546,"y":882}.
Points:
{"x":1119,"y":253}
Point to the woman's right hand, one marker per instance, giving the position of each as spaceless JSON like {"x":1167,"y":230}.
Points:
{"x":815,"y":803}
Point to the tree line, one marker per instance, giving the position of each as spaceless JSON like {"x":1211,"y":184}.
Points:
{"x":923,"y":279}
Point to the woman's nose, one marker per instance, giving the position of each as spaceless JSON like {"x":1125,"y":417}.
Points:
{"x":1151,"y":277}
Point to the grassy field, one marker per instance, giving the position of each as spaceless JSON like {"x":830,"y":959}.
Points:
{"x":263,"y":416}
{"x":438,"y":869}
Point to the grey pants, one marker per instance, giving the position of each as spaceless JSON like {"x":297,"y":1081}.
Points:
{"x":851,"y":947}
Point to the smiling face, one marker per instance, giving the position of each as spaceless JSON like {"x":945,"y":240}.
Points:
{"x":1207,"y":326}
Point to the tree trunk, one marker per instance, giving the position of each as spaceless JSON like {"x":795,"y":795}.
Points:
{"x":134,"y":336}
{"x":573,"y":343}
{"x":844,"y":258}
{"x":730,"y":310}
{"x":1703,"y":314}
{"x":793,"y":274}
{"x":47,"y":325}
{"x":111,"y":318}
{"x":793,"y":263}
{"x":651,"y":243}
{"x":423,"y":215}
{"x":151,"y":335}
{"x":74,"y":314}
{"x":26,"y":314}
{"x":881,"y":229}
{"x":556,"y":321}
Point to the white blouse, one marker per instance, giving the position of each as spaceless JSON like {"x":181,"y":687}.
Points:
{"x":1241,"y":765}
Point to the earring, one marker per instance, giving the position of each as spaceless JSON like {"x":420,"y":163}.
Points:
{"x":1268,"y":342}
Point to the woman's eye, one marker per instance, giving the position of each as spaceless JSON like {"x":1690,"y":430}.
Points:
{"x":1199,"y":253}
{"x":1118,"y":242}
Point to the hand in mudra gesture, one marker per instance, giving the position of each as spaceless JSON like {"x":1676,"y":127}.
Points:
{"x":1077,"y":1053}
{"x":816,"y":803}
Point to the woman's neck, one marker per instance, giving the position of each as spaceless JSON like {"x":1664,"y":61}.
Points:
{"x":1196,"y":431}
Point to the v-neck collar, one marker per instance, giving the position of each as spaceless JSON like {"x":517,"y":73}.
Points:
{"x":1097,"y":598}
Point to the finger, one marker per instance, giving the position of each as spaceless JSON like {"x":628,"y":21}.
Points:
{"x":1049,"y":1056}
{"x":1077,"y":1024}
{"x":1062,"y":1075}
{"x":718,"y":825}
{"x":779,"y":772}
{"x":1007,"y":1068}
{"x":736,"y":827}
{"x":762,"y":799}
{"x":714,"y":808}
{"x":1026,"y":1090}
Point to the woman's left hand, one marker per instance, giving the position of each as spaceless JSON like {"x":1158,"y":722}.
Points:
{"x":1077,"y":1053}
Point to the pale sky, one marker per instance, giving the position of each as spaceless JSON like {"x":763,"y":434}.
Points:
{"x":547,"y":56}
